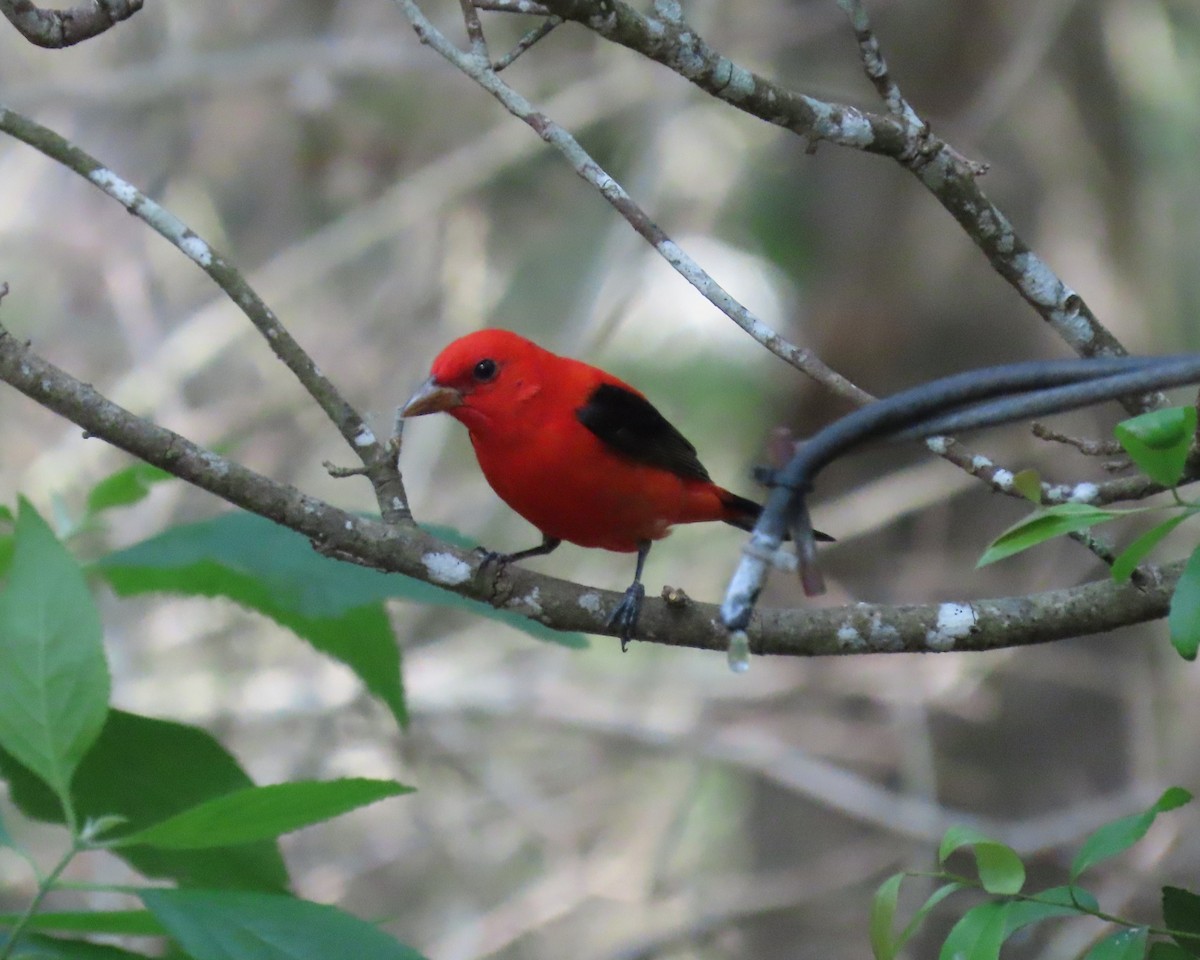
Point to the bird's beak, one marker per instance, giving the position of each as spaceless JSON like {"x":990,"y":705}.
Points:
{"x":432,"y":397}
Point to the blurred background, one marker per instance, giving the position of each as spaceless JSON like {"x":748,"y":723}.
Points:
{"x":588,"y":803}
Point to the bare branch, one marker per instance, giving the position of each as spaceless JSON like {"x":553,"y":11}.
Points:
{"x":966,"y":625}
{"x":485,"y":75}
{"x":480,"y":70}
{"x":380,"y":464}
{"x":55,"y":29}
{"x":876,"y":66}
{"x":479,"y":47}
{"x":527,"y":41}
{"x":945,"y":172}
{"x":1088,"y":447}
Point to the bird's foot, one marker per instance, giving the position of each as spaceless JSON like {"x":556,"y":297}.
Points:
{"x":625,"y":614}
{"x":501,"y":560}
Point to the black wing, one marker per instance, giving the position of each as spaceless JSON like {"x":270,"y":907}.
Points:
{"x":632,"y":426}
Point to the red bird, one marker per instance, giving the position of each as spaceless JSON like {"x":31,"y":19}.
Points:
{"x":581,"y":455}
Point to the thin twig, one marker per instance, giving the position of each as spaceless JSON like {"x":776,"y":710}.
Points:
{"x":1095,"y":607}
{"x":987,"y":397}
{"x":55,"y":29}
{"x":478,"y":41}
{"x":584,"y":165}
{"x":978,"y":466}
{"x":527,"y":41}
{"x":876,"y":66}
{"x":381,"y":466}
{"x":943,"y":170}
{"x":514,"y":6}
{"x":1088,"y":447}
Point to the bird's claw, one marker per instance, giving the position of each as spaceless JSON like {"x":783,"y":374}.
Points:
{"x":625,"y":614}
{"x":489,"y":557}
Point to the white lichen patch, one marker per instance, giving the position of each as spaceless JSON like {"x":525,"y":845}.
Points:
{"x":364,"y":437}
{"x":938,"y":445}
{"x":218,"y":465}
{"x":1003,"y":479}
{"x":531,"y":602}
{"x":979,"y":462}
{"x":733,"y":83}
{"x":688,"y":59}
{"x":883,"y":636}
{"x":589,"y":601}
{"x":446,"y":569}
{"x":1037,"y":281}
{"x":954,"y":621}
{"x":196,"y":249}
{"x":1083,"y":493}
{"x":669,"y":10}
{"x":849,"y":637}
{"x":841,"y":125}
{"x":114,"y":186}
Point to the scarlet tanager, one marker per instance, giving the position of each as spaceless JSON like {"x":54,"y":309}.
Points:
{"x":581,"y":455}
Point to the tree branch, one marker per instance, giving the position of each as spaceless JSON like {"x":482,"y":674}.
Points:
{"x":377,"y":458}
{"x":948,"y":175}
{"x":478,"y":68}
{"x":55,"y":29}
{"x":404,"y":548}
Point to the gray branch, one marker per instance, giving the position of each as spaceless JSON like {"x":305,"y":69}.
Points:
{"x":55,"y":29}
{"x":964,"y":625}
{"x":948,"y":175}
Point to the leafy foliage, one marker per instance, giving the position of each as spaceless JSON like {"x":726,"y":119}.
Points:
{"x":981,"y":932}
{"x":1159,"y":443}
{"x":54,"y":685}
{"x":180,"y":804}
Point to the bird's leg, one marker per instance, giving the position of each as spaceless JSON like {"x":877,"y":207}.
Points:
{"x":547,"y":545}
{"x":625,"y":614}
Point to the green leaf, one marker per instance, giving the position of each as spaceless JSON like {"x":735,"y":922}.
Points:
{"x":1054,"y":902}
{"x":1181,"y":915}
{"x":1183,"y":620}
{"x":1129,"y":944}
{"x":7,"y":540}
{"x":334,"y":606}
{"x":1158,"y":442}
{"x":1045,"y":524}
{"x":883,"y":912}
{"x":258,"y":813}
{"x":913,"y":925}
{"x":39,"y":947}
{"x":147,"y":770}
{"x":1028,"y":483}
{"x":6,"y":839}
{"x":1165,"y":950}
{"x":54,"y":680}
{"x":1120,"y":835}
{"x":1000,"y":869}
{"x":979,"y":933}
{"x":127,"y":923}
{"x":125,"y":487}
{"x":1132,"y":555}
{"x":226,"y":925}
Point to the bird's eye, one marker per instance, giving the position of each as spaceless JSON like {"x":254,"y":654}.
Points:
{"x":484,"y":371}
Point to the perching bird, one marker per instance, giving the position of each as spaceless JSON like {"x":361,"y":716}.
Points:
{"x":581,"y":455}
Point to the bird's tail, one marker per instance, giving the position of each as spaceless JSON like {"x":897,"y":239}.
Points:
{"x":740,"y":512}
{"x":743,"y":514}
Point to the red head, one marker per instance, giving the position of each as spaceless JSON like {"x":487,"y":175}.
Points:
{"x":479,"y":375}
